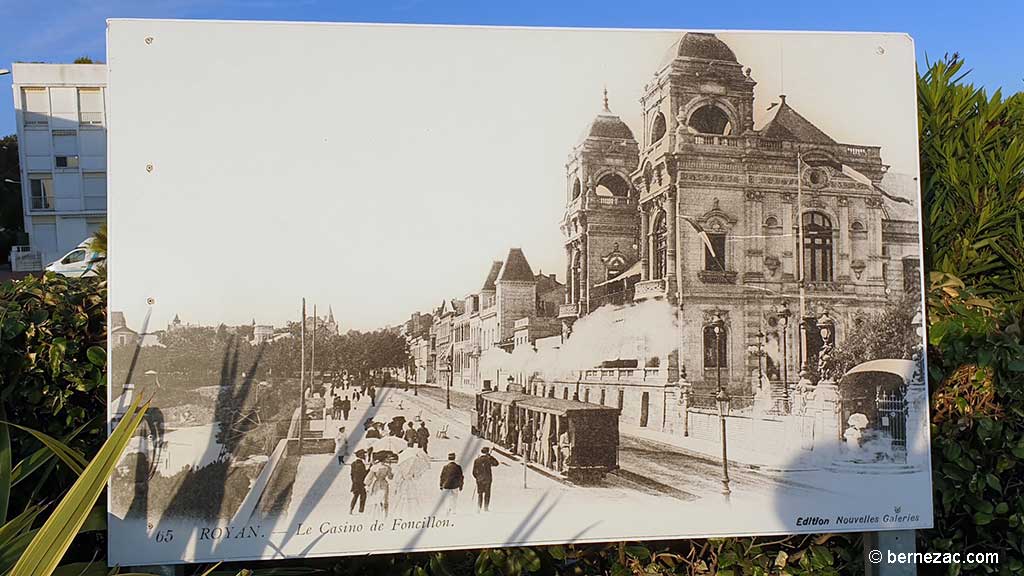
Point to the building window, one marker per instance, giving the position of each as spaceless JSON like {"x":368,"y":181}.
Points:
{"x":622,"y":395}
{"x":716,"y":348}
{"x":577,"y":189}
{"x":565,"y":393}
{"x":911,"y":275}
{"x":90,"y":106}
{"x":660,"y":242}
{"x":602,"y":396}
{"x":66,"y":161}
{"x":857,"y":226}
{"x":36,"y":107}
{"x":658,"y":128}
{"x":586,"y":395}
{"x":715,"y":262}
{"x":42,"y":192}
{"x":771,"y":221}
{"x":94,"y":190}
{"x":817,"y":247}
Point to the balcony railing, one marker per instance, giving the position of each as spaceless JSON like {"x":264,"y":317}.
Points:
{"x":599,"y":375}
{"x":649,"y":289}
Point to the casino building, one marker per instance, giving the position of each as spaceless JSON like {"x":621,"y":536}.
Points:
{"x":718,"y":218}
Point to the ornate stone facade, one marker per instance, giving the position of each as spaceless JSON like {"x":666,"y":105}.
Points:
{"x":718,"y":215}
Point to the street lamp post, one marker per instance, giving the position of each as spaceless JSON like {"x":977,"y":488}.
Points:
{"x":448,"y":391}
{"x":576,"y":394}
{"x":783,"y":313}
{"x":511,"y":380}
{"x":722,"y":400}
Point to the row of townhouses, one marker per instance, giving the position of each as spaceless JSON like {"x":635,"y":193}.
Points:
{"x":716,"y":217}
{"x":513,"y":307}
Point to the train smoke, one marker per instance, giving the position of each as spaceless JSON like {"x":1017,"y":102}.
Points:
{"x":634,"y":332}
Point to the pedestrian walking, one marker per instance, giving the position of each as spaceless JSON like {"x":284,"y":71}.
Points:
{"x":374,"y":431}
{"x":410,"y":435}
{"x":379,"y":483}
{"x":346,"y":406}
{"x":452,"y":481}
{"x":372,"y":393}
{"x":358,"y":483}
{"x":482,"y":473}
{"x":341,"y":445}
{"x":422,"y":437}
{"x":336,"y":406}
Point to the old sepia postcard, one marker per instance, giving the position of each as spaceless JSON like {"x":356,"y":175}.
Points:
{"x":395,"y":288}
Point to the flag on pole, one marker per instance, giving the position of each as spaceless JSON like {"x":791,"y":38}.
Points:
{"x":857,"y":176}
{"x":703,"y":235}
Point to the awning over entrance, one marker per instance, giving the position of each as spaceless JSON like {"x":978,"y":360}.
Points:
{"x":633,"y":270}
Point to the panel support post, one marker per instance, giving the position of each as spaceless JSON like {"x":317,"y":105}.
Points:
{"x":879,"y":546}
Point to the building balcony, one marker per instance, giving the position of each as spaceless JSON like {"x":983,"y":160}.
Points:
{"x":568,"y":310}
{"x":650,"y":289}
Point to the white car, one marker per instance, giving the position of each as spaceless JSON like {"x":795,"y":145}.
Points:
{"x":79,"y":263}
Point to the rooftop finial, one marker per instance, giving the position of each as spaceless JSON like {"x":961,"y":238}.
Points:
{"x":606,"y":109}
{"x":782,"y":97}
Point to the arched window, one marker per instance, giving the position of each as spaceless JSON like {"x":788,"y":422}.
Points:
{"x":817,"y":247}
{"x":660,"y":246}
{"x":576,"y":189}
{"x":658,"y":128}
{"x":565,"y":393}
{"x":577,"y":278}
{"x":857,"y":226}
{"x":612,"y":185}
{"x":710,"y":119}
{"x":771,"y":221}
{"x":602,"y":396}
{"x":715,"y":347}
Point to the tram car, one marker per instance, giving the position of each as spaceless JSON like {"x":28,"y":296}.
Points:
{"x":573,"y":439}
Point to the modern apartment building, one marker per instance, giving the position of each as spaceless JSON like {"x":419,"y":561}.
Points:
{"x":60,"y":112}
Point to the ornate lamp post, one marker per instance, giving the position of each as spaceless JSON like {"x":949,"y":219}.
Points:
{"x":722,"y":400}
{"x":826,"y":328}
{"x":782,"y":313}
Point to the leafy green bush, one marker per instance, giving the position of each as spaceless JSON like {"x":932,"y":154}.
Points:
{"x":52,"y":378}
{"x":972,"y":178}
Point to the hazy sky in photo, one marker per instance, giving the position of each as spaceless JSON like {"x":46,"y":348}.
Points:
{"x":380,"y":169}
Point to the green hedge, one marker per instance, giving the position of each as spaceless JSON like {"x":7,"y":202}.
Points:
{"x":972,"y":153}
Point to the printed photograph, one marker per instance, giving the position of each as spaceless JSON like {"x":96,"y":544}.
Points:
{"x":396,"y":288}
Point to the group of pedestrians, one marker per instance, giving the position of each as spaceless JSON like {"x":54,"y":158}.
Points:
{"x":453,"y":481}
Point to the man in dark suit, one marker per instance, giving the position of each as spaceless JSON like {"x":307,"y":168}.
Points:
{"x":346,"y":406}
{"x":358,"y":482}
{"x":410,"y":435}
{"x":482,"y":473}
{"x":422,"y":436}
{"x":451,"y":484}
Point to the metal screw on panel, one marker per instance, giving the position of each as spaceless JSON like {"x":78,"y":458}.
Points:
{"x":149,"y":167}
{"x":879,"y":50}
{"x":150,"y":301}
{"x":149,"y":39}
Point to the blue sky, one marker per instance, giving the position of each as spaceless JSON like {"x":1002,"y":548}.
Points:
{"x":985,"y":33}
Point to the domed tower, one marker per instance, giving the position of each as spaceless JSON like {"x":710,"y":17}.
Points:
{"x":600,"y":222}
{"x":700,"y":95}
